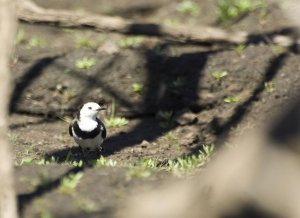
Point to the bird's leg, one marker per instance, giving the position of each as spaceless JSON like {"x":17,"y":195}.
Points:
{"x":85,"y":153}
{"x":90,"y":155}
{"x":98,"y":151}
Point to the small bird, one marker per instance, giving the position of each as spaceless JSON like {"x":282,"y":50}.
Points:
{"x":87,"y":129}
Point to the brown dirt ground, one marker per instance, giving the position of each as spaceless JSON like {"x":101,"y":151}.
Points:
{"x":48,"y":86}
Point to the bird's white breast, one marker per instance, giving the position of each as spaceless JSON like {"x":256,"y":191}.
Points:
{"x":87,"y":125}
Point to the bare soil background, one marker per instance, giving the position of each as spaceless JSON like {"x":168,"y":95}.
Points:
{"x":176,"y":77}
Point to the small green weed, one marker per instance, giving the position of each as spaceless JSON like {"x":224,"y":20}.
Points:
{"x":230,"y":99}
{"x":167,"y":118}
{"x":137,"y":87}
{"x":20,"y":36}
{"x":188,"y":7}
{"x":179,"y":166}
{"x":116,"y":121}
{"x":240,"y":48}
{"x":131,"y":42}
{"x":189,"y":163}
{"x":269,"y":86}
{"x":44,"y":161}
{"x":70,"y":181}
{"x":112,"y":121}
{"x":102,"y":161}
{"x":178,"y":83}
{"x":170,"y":136}
{"x":41,"y":162}
{"x":46,"y":214}
{"x":229,"y":9}
{"x":77,"y":163}
{"x":85,"y":63}
{"x":34,"y":42}
{"x":167,"y":115}
{"x":278,"y":49}
{"x":148,"y":163}
{"x":24,"y":161}
{"x":69,"y":156}
{"x":69,"y":159}
{"x":219,"y":74}
{"x":84,"y":41}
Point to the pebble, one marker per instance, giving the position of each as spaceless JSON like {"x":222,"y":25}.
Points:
{"x":186,"y":118}
{"x":145,"y":144}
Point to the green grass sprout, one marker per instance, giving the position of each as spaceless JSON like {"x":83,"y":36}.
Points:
{"x":167,"y":119}
{"x":188,"y":7}
{"x":230,"y":99}
{"x":137,"y":87}
{"x":34,"y":42}
{"x":70,"y":181}
{"x":20,"y":36}
{"x":269,"y":86}
{"x":219,"y":74}
{"x":229,"y":9}
{"x":131,"y":42}
{"x":240,"y":48}
{"x":85,"y":63}
{"x":84,"y":41}
{"x":178,"y":82}
{"x":102,"y":161}
{"x":112,"y":120}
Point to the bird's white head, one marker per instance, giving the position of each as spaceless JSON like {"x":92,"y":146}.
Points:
{"x":90,"y":110}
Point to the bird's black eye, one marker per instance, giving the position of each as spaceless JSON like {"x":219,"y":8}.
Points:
{"x":90,"y":108}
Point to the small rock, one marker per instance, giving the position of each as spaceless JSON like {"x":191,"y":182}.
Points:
{"x":186,"y":118}
{"x":145,"y":144}
{"x":60,"y":87}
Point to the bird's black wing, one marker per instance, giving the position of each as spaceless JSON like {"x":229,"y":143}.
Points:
{"x":103,"y":132}
{"x":70,"y":128}
{"x":102,"y":128}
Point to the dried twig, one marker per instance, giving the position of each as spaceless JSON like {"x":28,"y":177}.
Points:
{"x":30,"y":12}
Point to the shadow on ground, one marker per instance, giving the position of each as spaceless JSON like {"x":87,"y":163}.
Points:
{"x":161,"y":94}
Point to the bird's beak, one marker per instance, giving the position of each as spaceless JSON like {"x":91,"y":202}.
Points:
{"x":101,"y":109}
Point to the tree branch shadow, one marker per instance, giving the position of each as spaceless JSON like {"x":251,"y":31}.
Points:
{"x":35,"y":71}
{"x":25,"y":199}
{"x":243,"y":109}
{"x":159,"y":92}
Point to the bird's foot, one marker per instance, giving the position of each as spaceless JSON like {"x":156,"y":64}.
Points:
{"x":90,"y":155}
